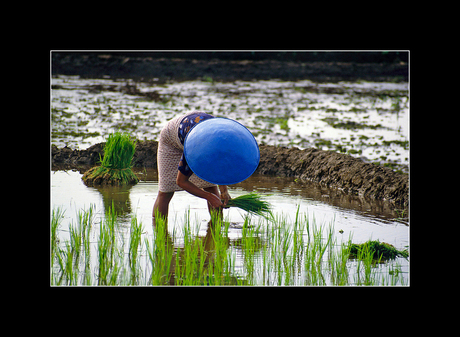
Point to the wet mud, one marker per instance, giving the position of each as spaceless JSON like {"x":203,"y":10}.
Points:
{"x":327,"y":168}
{"x":336,"y":170}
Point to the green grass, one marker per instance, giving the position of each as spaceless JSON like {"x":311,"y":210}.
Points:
{"x":275,"y":252}
{"x":116,"y":166}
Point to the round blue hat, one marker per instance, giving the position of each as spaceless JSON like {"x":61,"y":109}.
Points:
{"x":221,"y":151}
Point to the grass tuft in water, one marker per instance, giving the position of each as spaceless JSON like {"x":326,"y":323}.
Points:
{"x":380,"y":250}
{"x":115,"y":168}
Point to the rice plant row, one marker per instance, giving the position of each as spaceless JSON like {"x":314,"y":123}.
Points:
{"x":274,"y":252}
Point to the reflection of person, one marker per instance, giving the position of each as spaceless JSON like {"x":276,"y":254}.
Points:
{"x":171,"y":259}
{"x":218,"y":153}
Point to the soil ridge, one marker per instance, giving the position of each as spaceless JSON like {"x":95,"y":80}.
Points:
{"x":327,"y":168}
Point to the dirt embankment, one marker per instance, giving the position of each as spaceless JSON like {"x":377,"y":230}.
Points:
{"x":327,"y":168}
{"x":337,"y":170}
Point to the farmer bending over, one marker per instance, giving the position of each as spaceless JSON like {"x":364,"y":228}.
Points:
{"x":219,"y":151}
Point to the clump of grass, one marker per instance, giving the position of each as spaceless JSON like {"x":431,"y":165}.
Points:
{"x":381,"y":250}
{"x":253,"y":204}
{"x":115,"y":168}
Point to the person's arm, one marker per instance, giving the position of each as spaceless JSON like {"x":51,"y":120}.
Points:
{"x":183,"y":182}
{"x":224,"y":194}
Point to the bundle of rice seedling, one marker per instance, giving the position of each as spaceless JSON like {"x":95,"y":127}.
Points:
{"x":253,"y":204}
{"x":115,"y":168}
{"x":380,"y":249}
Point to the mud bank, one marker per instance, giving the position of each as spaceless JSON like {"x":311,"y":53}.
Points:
{"x":337,"y":170}
{"x":346,"y":173}
{"x":145,"y":155}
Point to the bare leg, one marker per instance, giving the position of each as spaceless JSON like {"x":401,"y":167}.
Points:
{"x":162,"y":203}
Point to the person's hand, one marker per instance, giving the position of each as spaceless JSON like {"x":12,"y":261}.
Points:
{"x":214,"y":200}
{"x":225,"y":197}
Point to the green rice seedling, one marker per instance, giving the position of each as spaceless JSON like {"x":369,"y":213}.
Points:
{"x":75,"y":243}
{"x":219,"y":244}
{"x":298,"y":231}
{"x":60,"y":260}
{"x":69,"y":257}
{"x":338,"y":264}
{"x":107,"y":247}
{"x":79,"y":237}
{"x":69,"y":271}
{"x":314,"y":252}
{"x":367,"y":256}
{"x":161,"y":253}
{"x":366,"y":261}
{"x":116,"y":165}
{"x":272,"y":253}
{"x":249,"y":247}
{"x":191,"y":258}
{"x":134,"y":244}
{"x":56,"y":219}
{"x":266,"y":263}
{"x":253,"y":204}
{"x":88,"y":220}
{"x":104,"y":244}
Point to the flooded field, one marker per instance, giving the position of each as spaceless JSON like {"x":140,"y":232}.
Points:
{"x":344,"y":217}
{"x":367,"y":120}
{"x":364,"y":119}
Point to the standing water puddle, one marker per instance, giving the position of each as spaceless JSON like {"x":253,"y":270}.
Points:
{"x":343,"y":214}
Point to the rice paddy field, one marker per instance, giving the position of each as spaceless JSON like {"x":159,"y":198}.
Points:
{"x":103,"y":235}
{"x":369,"y":120}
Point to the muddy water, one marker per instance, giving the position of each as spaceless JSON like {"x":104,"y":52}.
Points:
{"x":364,"y":119}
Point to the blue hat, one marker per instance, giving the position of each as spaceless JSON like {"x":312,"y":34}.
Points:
{"x":221,"y":151}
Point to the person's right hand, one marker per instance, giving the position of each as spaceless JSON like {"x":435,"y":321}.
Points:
{"x":214,"y":200}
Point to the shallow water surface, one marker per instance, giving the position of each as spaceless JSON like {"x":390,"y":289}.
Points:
{"x":348,"y":216}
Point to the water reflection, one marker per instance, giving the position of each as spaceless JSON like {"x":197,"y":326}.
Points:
{"x":278,"y":187}
{"x":315,"y":192}
{"x":116,"y":197}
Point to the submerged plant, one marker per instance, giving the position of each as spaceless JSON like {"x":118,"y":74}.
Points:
{"x":253,"y":204}
{"x":116,"y":165}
